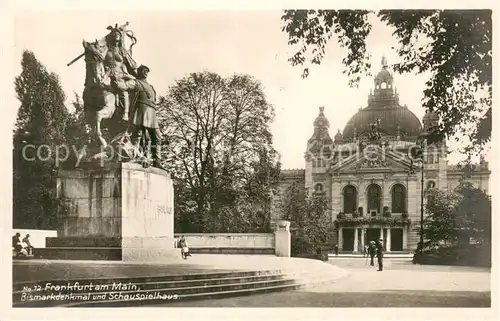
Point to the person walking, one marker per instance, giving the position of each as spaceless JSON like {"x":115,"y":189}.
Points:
{"x":380,"y":255}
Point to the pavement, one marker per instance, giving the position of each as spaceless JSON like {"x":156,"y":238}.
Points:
{"x":401,"y":284}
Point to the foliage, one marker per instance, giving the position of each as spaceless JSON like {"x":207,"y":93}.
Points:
{"x":453,"y":46}
{"x":440,"y":224}
{"x":309,"y":220}
{"x":470,"y":255}
{"x":220,"y":152}
{"x":372,"y":221}
{"x":474,"y":209}
{"x":455,"y":217}
{"x":42,"y":120}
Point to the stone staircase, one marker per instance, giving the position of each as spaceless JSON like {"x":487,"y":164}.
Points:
{"x":138,"y":291}
{"x":387,"y":255}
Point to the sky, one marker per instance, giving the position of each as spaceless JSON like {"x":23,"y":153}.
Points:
{"x":174,"y":44}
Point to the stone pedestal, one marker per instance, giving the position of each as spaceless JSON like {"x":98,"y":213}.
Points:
{"x":121,"y":211}
{"x":282,"y":239}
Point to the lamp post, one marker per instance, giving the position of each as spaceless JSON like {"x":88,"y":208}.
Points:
{"x":422,"y":139}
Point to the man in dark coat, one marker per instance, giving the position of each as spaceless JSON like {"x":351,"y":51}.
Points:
{"x":380,"y":254}
{"x":143,"y":122}
{"x":372,"y":250}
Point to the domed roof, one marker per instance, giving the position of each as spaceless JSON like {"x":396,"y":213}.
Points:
{"x":395,"y":120}
{"x":383,"y":104}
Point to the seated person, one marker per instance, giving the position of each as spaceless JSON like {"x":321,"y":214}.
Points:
{"x":16,"y":244}
{"x":27,"y":244}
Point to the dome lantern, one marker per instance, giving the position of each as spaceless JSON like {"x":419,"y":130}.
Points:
{"x":383,"y":103}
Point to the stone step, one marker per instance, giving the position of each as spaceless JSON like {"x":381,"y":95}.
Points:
{"x":207,"y":282}
{"x":360,"y":256}
{"x":240,"y":283}
{"x":18,"y":286}
{"x":298,"y":282}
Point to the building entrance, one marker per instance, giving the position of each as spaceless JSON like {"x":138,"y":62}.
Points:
{"x":372,"y":234}
{"x":396,"y":239}
{"x":348,"y":239}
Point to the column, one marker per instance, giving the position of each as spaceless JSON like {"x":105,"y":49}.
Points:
{"x":355,"y":248}
{"x":363,"y":240}
{"x":405,"y":238}
{"x":381,"y":233}
{"x":340,"y":239}
{"x":388,"y":240}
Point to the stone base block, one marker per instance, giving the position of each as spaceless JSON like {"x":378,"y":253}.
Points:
{"x":148,"y":248}
{"x":150,"y":254}
{"x":120,"y":211}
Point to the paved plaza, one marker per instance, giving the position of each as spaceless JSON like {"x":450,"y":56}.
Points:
{"x":401,"y":284}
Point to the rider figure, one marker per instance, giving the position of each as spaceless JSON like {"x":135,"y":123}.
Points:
{"x":119,"y":66}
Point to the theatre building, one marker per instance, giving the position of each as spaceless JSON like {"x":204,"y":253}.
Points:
{"x":368,"y":175}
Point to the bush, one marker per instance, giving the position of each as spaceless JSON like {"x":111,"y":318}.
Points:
{"x":471,"y":255}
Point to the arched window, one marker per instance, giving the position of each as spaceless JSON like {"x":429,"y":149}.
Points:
{"x":318,"y":188}
{"x":431,"y":184}
{"x":374,"y":193}
{"x":398,"y":198}
{"x":350,"y":199}
{"x":384,"y":85}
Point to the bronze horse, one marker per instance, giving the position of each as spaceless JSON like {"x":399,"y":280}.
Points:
{"x":109,"y":77}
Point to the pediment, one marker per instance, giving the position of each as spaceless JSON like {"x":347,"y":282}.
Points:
{"x":375,"y":159}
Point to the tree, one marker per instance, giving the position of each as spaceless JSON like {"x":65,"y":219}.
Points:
{"x":309,"y":219}
{"x":440,"y":226}
{"x":40,"y":127}
{"x":453,"y":46}
{"x":219,"y":140}
{"x":474,"y":209}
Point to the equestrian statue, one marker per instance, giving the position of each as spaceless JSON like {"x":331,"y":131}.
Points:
{"x":117,"y":97}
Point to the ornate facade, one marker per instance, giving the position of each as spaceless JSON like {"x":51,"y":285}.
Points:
{"x":370,"y":174}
